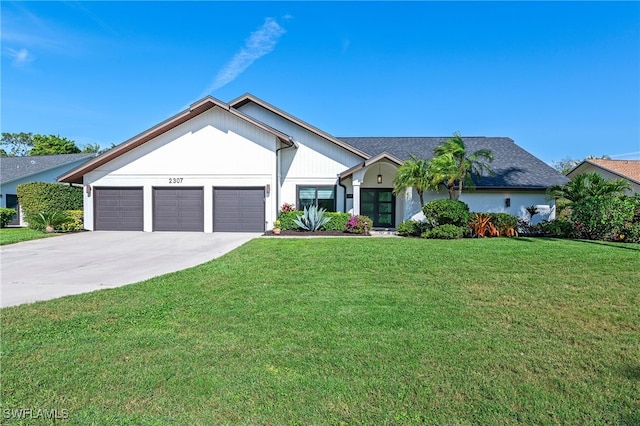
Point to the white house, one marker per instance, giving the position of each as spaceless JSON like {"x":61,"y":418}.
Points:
{"x":15,"y":171}
{"x":230,"y":167}
{"x":628,"y":170}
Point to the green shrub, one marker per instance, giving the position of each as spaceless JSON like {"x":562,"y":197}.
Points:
{"x":38,"y":197}
{"x":42,"y":220}
{"x":558,"y":228}
{"x":602,"y":218}
{"x":287,"y":220}
{"x":75,"y":222}
{"x":630,"y":233}
{"x":338,"y":221}
{"x":447,"y":212}
{"x":358,"y":225}
{"x":6,"y":216}
{"x":412,"y":228}
{"x":445,"y":232}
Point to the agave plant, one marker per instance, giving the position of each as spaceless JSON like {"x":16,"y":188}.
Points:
{"x":312,"y":218}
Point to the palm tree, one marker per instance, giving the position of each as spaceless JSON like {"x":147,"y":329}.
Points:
{"x":588,"y":185}
{"x":452,"y":165}
{"x":415,"y":173}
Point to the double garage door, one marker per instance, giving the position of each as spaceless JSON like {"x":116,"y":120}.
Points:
{"x":180,"y":209}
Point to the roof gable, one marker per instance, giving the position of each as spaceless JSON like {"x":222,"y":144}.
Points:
{"x":513,"y":166}
{"x":626,"y":169}
{"x":193,"y":111}
{"x":14,"y":168}
{"x":383,"y":156}
{"x":249,"y":98}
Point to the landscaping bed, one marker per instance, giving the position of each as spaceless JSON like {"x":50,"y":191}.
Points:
{"x":297,"y":233}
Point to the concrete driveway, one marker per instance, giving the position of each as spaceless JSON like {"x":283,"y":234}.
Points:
{"x":83,"y":262}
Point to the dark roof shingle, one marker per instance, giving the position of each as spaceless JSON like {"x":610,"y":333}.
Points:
{"x":12,"y":168}
{"x":514,"y":167}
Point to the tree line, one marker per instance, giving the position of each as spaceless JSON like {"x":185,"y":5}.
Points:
{"x":23,"y":144}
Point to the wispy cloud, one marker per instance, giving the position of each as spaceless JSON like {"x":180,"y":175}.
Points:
{"x":25,"y":36}
{"x":260,"y":42}
{"x":628,"y":156}
{"x":20,"y":57}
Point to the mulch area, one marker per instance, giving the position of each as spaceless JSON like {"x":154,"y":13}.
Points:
{"x":296,"y":233}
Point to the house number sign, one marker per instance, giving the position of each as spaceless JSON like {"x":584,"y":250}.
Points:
{"x":175,"y":180}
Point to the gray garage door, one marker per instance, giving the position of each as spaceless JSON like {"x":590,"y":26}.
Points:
{"x":118,"y":209}
{"x":238,"y":209}
{"x":178,"y":209}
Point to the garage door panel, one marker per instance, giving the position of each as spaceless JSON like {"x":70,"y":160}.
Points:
{"x":118,"y":209}
{"x":178,"y":209}
{"x":238,"y":210}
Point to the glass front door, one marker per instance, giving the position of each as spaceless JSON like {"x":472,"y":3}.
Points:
{"x":379,"y":205}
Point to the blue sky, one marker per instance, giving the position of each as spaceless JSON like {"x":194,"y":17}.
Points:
{"x":561,"y":79}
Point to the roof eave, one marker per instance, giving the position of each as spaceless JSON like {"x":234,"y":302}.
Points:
{"x":382,"y":156}
{"x":247,"y":98}
{"x":195,"y":109}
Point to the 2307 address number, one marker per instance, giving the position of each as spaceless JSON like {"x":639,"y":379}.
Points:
{"x":175,"y":180}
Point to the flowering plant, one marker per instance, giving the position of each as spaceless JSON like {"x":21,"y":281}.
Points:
{"x":287,"y":207}
{"x":358,"y":225}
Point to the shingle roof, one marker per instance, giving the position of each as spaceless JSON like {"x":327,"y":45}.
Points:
{"x":513,"y":166}
{"x":629,"y":169}
{"x":12,"y":168}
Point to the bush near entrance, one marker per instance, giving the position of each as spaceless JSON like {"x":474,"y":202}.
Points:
{"x":6,"y":216}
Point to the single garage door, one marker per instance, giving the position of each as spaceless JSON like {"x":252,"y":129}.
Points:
{"x":178,"y":209}
{"x":238,"y":209}
{"x":118,"y":209}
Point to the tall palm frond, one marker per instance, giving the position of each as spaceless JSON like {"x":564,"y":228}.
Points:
{"x":452,"y":164}
{"x":588,"y":185}
{"x":415,"y":173}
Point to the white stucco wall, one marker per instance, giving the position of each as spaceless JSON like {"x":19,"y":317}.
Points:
{"x":488,"y":202}
{"x":317,"y":161}
{"x":214,"y":149}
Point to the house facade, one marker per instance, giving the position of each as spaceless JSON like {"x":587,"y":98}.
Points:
{"x":628,"y":170}
{"x":15,"y":171}
{"x":221,"y":167}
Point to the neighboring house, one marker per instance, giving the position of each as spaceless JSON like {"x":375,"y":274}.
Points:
{"x":611,"y":170}
{"x":230,"y":166}
{"x":15,"y":171}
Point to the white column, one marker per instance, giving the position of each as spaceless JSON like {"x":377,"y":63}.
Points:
{"x":147,"y":200}
{"x":356,"y":197}
{"x":208,"y":209}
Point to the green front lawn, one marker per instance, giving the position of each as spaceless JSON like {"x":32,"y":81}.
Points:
{"x":16,"y":235}
{"x":345,"y":331}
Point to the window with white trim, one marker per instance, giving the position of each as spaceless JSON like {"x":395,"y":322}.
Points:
{"x":321,"y":196}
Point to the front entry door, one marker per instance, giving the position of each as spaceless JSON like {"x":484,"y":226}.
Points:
{"x":379,"y":205}
{"x":12,"y":203}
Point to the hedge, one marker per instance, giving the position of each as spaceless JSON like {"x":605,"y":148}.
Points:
{"x":338,"y":220}
{"x":38,"y":197}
